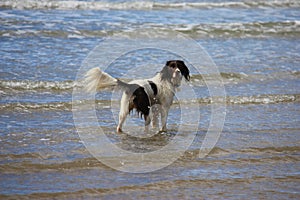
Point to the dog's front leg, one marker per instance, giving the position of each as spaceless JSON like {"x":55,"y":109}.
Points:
{"x":155,"y":111}
{"x":164,"y":115}
{"x":147,"y":123}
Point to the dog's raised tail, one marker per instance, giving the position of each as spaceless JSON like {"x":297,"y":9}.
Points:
{"x":95,"y":79}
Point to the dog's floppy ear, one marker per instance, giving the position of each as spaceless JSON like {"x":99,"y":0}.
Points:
{"x":183,"y":69}
{"x":168,"y":63}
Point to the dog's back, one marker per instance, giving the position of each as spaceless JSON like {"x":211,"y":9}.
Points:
{"x":143,"y":94}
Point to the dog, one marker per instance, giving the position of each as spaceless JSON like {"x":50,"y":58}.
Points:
{"x":143,"y":95}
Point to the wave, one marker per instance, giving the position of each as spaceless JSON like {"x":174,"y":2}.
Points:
{"x":218,"y":151}
{"x":36,"y":85}
{"x":257,"y":99}
{"x":164,"y":189}
{"x":31,"y":161}
{"x":79,"y":34}
{"x":36,"y":106}
{"x":251,"y":29}
{"x":140,"y":5}
{"x":67,"y":106}
{"x":227,"y":77}
{"x":264,"y":99}
{"x":28,"y":161}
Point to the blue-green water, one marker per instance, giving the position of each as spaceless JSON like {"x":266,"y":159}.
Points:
{"x":256,"y":46}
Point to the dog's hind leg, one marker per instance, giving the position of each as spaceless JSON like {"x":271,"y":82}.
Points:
{"x":124,"y":111}
{"x":122,"y":118}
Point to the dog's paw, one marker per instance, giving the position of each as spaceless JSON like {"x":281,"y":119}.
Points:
{"x":163,"y":130}
{"x":119,"y":130}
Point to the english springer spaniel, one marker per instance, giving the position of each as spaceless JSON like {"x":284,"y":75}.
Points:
{"x":144,"y":94}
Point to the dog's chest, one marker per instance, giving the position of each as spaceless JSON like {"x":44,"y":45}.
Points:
{"x":165,"y":95}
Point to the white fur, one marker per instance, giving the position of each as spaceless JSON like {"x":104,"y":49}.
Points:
{"x":96,"y":80}
{"x":166,"y":92}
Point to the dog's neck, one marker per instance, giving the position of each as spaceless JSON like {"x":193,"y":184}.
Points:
{"x":164,"y":82}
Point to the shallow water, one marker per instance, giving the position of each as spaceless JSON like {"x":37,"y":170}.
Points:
{"x":256,"y":48}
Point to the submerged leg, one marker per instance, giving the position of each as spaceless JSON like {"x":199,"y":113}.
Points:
{"x":122,"y":118}
{"x":164,"y":115}
{"x":147,"y":122}
{"x":155,"y":115}
{"x":124,"y":111}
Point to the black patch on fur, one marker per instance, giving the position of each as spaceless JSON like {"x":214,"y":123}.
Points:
{"x":139,"y":101}
{"x":181,"y":66}
{"x":154,"y":87}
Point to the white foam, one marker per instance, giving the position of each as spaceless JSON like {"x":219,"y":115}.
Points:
{"x":138,"y":5}
{"x":33,"y":85}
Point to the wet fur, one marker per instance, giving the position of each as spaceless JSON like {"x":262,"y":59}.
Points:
{"x":142,"y":95}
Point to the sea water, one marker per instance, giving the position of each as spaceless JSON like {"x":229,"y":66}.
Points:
{"x":256,"y":47}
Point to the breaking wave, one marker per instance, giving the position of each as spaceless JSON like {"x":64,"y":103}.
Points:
{"x":252,"y":29}
{"x":100,"y":104}
{"x":36,"y":85}
{"x":140,"y":5}
{"x":196,"y":78}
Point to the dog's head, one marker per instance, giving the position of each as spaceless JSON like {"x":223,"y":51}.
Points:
{"x":175,"y":70}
